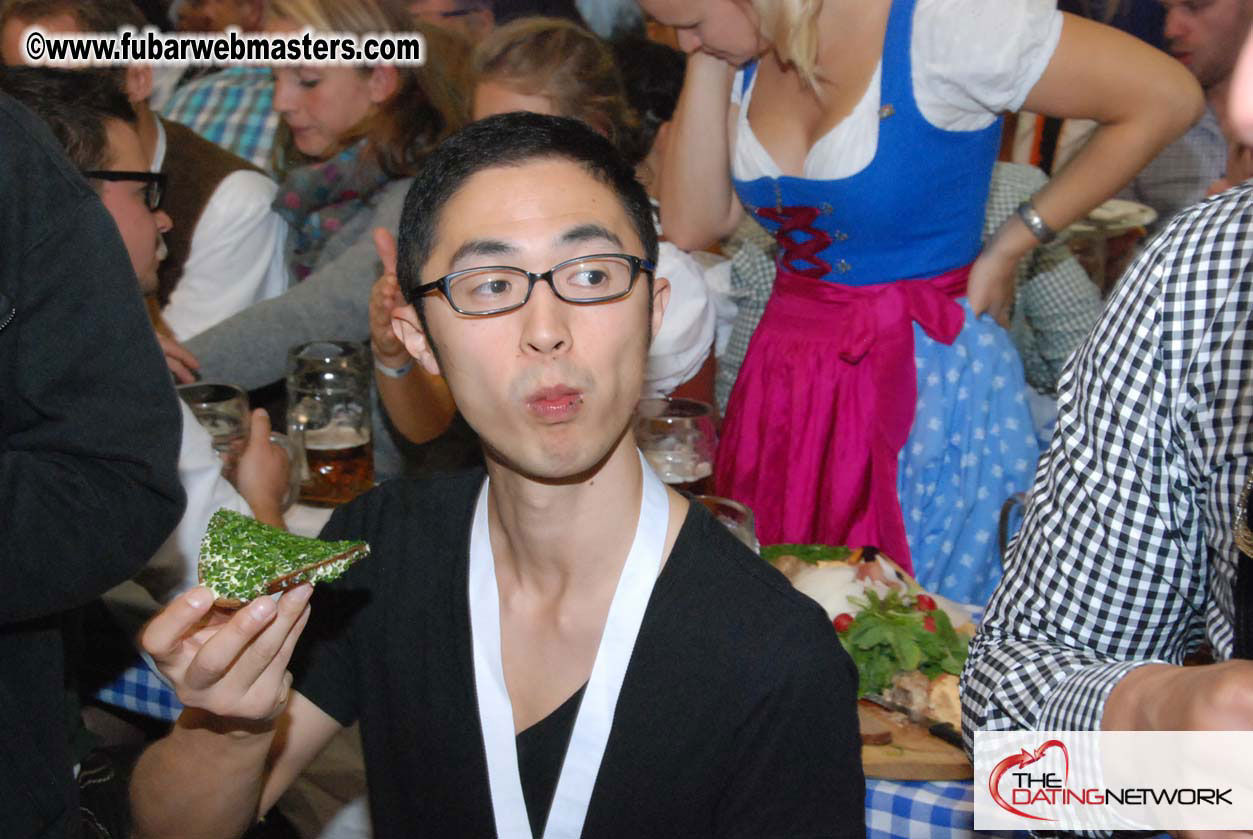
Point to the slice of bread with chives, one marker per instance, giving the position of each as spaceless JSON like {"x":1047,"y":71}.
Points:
{"x":242,"y":559}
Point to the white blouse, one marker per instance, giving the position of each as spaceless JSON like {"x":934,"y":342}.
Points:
{"x":971,"y":60}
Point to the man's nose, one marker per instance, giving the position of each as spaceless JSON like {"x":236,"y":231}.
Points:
{"x":1178,"y":23}
{"x":164,"y":223}
{"x":544,"y":327}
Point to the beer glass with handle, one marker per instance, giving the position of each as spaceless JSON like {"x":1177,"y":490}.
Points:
{"x":328,"y":418}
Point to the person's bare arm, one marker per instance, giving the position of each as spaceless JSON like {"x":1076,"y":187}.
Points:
{"x":1142,"y":98}
{"x":419,"y":404}
{"x":1167,"y":697}
{"x":243,"y":736}
{"x":698,"y":203}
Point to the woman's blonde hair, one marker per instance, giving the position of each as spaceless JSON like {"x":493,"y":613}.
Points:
{"x":552,"y":57}
{"x":429,"y":103}
{"x":791,"y":27}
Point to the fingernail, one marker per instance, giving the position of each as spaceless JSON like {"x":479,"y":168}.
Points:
{"x":199,"y":597}
{"x":262,"y":608}
{"x":301,"y":593}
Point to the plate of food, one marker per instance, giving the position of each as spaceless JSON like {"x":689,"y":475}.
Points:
{"x":909,"y":647}
{"x":1115,"y":216}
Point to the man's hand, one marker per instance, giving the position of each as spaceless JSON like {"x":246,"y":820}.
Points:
{"x":262,"y":472}
{"x":384,"y":297}
{"x":231,"y":665}
{"x":179,"y":359}
{"x":1163,"y":697}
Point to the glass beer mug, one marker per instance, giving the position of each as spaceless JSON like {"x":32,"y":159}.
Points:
{"x":328,"y":417}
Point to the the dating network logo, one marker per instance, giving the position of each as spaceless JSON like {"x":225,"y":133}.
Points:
{"x":1029,"y":788}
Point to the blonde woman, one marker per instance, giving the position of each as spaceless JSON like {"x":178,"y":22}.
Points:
{"x":350,"y":140}
{"x":876,"y":406}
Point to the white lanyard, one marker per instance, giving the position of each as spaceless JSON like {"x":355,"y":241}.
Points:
{"x":595,"y":717}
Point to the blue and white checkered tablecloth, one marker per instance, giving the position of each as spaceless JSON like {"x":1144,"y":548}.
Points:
{"x":921,"y":809}
{"x":141,"y":690}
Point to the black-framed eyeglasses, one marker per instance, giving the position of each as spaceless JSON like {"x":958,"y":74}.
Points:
{"x":493,"y":289}
{"x":154,"y":183}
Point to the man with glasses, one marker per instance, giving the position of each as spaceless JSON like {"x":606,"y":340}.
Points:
{"x":562,"y":646}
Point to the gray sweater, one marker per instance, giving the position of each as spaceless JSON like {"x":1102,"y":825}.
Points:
{"x":333,"y":303}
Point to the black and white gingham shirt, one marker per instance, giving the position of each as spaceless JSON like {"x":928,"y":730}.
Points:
{"x":1127,"y":552}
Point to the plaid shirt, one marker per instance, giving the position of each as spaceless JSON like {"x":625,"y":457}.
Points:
{"x":1056,"y":304}
{"x":1127,"y":552}
{"x":232,"y":108}
{"x":1182,"y":172}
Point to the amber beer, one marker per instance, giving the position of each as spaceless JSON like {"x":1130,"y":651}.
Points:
{"x":341,"y":465}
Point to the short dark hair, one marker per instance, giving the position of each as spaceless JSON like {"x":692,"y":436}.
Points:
{"x":510,"y":140}
{"x":652,"y":75}
{"x":76,"y":104}
{"x":92,"y":15}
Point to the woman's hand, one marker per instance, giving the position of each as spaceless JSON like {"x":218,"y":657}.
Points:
{"x":991,"y":285}
{"x":385,"y":296}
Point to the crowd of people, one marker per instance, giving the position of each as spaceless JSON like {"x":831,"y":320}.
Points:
{"x":800,"y":212}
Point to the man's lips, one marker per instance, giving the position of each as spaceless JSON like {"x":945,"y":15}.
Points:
{"x":554,"y":403}
{"x":1183,"y":57}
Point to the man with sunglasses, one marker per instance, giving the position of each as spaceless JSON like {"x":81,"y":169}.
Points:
{"x":562,"y":646}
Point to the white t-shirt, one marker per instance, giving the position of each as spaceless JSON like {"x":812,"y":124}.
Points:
{"x":237,"y":254}
{"x":686,"y":337}
{"x":971,"y":60}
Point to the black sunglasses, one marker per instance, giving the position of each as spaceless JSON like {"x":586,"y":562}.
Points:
{"x":152,"y":192}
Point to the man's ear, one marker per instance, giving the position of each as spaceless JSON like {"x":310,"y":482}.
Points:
{"x":138,"y":82}
{"x":408,"y":329}
{"x":384,"y":80}
{"x":661,"y":298}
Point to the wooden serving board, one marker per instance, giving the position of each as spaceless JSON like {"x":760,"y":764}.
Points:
{"x":913,"y":754}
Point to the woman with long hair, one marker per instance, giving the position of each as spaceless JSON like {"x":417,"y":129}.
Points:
{"x":875,"y":405}
{"x":351,"y":137}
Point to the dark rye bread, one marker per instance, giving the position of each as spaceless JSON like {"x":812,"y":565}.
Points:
{"x":242,"y":559}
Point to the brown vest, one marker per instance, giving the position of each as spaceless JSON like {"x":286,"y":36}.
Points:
{"x":193,"y":168}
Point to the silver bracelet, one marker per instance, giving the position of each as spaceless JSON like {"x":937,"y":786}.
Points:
{"x":394,"y":372}
{"x":1030,"y":217}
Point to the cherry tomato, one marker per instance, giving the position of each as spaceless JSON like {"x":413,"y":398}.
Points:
{"x":925,"y":603}
{"x":842,"y":622}
{"x":928,"y":623}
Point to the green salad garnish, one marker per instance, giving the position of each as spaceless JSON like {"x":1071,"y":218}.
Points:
{"x":807,"y":553}
{"x":893,"y":634}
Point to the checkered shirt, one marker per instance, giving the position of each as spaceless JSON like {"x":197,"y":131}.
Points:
{"x":1126,"y":553}
{"x":1182,"y":172}
{"x":1056,"y":304}
{"x":231,"y":108}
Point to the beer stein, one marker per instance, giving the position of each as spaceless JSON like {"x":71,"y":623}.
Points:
{"x":328,"y":418}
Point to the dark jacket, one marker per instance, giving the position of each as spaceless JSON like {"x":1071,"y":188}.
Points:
{"x":89,"y":440}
